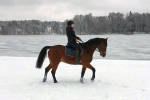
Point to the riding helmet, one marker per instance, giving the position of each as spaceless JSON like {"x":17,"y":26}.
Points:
{"x":69,"y":23}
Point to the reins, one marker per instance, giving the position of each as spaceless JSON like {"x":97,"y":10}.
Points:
{"x":88,"y":46}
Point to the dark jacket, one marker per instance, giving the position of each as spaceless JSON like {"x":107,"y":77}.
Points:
{"x":71,"y":35}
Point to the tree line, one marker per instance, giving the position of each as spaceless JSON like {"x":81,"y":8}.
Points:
{"x":114,"y":23}
{"x":30,"y":27}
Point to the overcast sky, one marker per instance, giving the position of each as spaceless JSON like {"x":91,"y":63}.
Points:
{"x":60,"y":10}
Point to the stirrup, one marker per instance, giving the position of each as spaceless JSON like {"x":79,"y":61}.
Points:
{"x":79,"y":62}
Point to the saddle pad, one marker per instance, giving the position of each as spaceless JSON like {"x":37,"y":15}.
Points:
{"x":70,"y":52}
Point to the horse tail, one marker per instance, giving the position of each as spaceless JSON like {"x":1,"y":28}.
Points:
{"x":42,"y":56}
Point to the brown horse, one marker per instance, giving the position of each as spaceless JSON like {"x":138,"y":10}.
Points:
{"x":57,"y":54}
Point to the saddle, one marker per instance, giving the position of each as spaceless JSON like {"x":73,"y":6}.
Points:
{"x":71,"y":52}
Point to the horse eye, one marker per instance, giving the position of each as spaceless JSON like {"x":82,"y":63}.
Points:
{"x":105,"y":44}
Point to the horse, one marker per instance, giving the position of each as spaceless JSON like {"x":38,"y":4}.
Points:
{"x":56,"y":54}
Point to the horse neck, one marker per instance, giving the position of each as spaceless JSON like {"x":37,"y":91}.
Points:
{"x":91,"y":48}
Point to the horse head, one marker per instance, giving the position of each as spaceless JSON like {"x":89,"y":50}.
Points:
{"x":102,"y":46}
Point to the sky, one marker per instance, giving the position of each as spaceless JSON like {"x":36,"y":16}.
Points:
{"x":60,"y":10}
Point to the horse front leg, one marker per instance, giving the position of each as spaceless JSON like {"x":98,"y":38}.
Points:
{"x":93,"y":70}
{"x":93,"y":77}
{"x":82,"y":74}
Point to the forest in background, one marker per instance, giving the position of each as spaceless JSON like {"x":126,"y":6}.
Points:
{"x":114,"y":23}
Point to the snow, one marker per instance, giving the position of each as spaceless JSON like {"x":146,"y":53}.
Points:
{"x":115,"y":80}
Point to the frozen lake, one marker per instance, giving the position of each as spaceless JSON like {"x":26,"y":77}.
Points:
{"x":120,"y":47}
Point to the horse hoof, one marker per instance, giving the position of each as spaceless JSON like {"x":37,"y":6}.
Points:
{"x":44,"y":80}
{"x":81,"y":80}
{"x":55,"y":82}
{"x":92,"y":79}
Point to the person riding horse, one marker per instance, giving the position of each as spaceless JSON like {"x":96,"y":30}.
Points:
{"x":72,"y":39}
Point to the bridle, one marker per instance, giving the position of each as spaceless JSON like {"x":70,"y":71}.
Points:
{"x":101,"y":52}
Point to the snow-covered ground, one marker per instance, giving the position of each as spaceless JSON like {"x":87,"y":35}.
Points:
{"x":115,"y":80}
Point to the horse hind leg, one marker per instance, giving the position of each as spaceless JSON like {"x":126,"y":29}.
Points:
{"x":53,"y":75}
{"x":54,"y":72}
{"x":46,"y":71}
{"x":82,"y":74}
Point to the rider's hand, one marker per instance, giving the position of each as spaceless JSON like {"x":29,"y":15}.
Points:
{"x":77,"y":40}
{"x":80,"y":39}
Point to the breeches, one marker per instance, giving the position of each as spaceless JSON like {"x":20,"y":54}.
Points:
{"x":75,"y":46}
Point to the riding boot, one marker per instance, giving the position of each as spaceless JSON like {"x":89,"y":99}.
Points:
{"x":77,"y":59}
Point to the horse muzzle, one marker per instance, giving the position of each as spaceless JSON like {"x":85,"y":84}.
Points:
{"x":103,"y":54}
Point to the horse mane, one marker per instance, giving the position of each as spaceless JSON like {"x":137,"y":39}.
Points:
{"x":91,"y":42}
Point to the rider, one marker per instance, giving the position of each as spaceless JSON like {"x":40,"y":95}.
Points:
{"x":72,"y":39}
